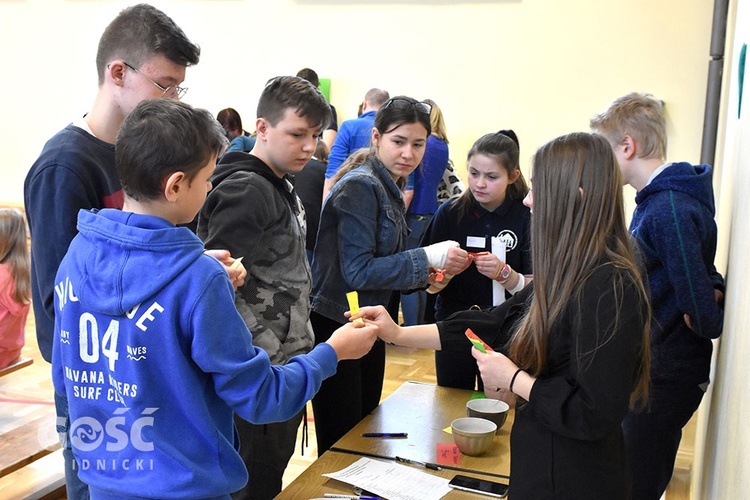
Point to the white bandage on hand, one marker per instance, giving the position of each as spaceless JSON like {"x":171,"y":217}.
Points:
{"x":438,"y":252}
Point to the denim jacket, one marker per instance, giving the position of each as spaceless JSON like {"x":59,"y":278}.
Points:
{"x":360,"y":243}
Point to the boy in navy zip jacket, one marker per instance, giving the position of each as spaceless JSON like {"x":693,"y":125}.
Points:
{"x":674,"y":225}
{"x":149,"y":348}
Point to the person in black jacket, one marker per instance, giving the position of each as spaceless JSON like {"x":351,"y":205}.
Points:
{"x":254,"y":212}
{"x":574,"y":344}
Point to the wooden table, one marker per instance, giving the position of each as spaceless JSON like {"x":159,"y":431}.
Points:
{"x":312,"y":483}
{"x":423,"y":411}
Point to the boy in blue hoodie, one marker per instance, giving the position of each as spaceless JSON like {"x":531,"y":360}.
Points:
{"x":674,"y":225}
{"x":149,"y":348}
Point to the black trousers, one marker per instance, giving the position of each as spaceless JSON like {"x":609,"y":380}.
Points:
{"x":266,"y":450}
{"x":652,"y":436}
{"x":351,"y":394}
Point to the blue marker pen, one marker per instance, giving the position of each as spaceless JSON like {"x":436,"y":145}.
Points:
{"x":385,"y":434}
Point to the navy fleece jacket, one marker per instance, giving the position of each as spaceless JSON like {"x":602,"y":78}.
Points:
{"x":674,"y":225}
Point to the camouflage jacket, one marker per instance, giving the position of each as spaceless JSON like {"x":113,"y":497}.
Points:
{"x":256,"y":215}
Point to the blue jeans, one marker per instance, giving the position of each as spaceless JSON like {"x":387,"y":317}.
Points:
{"x":76,"y":489}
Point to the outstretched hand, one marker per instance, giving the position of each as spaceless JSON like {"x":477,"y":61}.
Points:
{"x":456,"y":260}
{"x":378,"y":316}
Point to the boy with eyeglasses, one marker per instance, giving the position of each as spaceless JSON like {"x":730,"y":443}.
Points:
{"x":155,"y":368}
{"x":142,"y":54}
{"x":254,"y":212}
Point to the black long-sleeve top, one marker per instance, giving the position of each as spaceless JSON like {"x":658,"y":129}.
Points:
{"x":567,"y":441}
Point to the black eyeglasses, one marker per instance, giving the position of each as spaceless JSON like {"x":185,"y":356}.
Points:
{"x":172,"y":92}
{"x":401,"y":103}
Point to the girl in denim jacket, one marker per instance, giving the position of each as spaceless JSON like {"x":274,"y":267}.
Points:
{"x":360,"y":246}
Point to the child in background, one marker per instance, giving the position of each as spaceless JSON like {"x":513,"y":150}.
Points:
{"x":492,"y":206}
{"x":149,"y":347}
{"x":15,"y":284}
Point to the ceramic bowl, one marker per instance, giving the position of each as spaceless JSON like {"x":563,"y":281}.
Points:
{"x":493,"y":410}
{"x":472,"y":435}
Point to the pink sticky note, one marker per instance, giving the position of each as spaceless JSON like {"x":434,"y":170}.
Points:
{"x":448,"y":454}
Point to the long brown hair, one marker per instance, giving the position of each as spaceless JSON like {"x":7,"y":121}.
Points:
{"x":572,"y":234}
{"x":14,"y":252}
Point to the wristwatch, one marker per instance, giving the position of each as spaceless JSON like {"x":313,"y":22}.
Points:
{"x":504,"y":274}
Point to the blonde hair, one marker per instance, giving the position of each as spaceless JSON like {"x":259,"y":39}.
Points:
{"x":639,"y":115}
{"x":436,"y":121}
{"x":14,"y":252}
{"x":572,"y":236}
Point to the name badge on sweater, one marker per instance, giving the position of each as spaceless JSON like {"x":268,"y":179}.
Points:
{"x":476,"y":242}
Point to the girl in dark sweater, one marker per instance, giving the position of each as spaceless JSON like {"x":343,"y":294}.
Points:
{"x":492,"y":208}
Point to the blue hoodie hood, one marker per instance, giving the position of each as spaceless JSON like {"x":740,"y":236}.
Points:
{"x":693,"y":180}
{"x":111,"y":278}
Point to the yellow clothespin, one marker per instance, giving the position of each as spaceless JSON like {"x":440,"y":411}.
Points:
{"x":353,"y":299}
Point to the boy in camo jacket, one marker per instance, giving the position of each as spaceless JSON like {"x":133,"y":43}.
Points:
{"x":254,"y":212}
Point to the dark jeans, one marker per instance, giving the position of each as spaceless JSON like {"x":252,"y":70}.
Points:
{"x":266,"y":450}
{"x":652,"y":436}
{"x":76,"y":489}
{"x":351,"y":394}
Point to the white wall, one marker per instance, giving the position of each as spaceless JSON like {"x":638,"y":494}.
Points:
{"x":723,"y":472}
{"x":539,"y":67}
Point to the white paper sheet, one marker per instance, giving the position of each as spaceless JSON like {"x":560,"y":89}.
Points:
{"x":392,"y":481}
{"x":498,"y":290}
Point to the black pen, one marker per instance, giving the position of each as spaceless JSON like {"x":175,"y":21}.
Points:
{"x":385,"y":434}
{"x":426,"y":465}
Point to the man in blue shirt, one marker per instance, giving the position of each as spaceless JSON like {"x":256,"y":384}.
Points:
{"x":354,"y":134}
